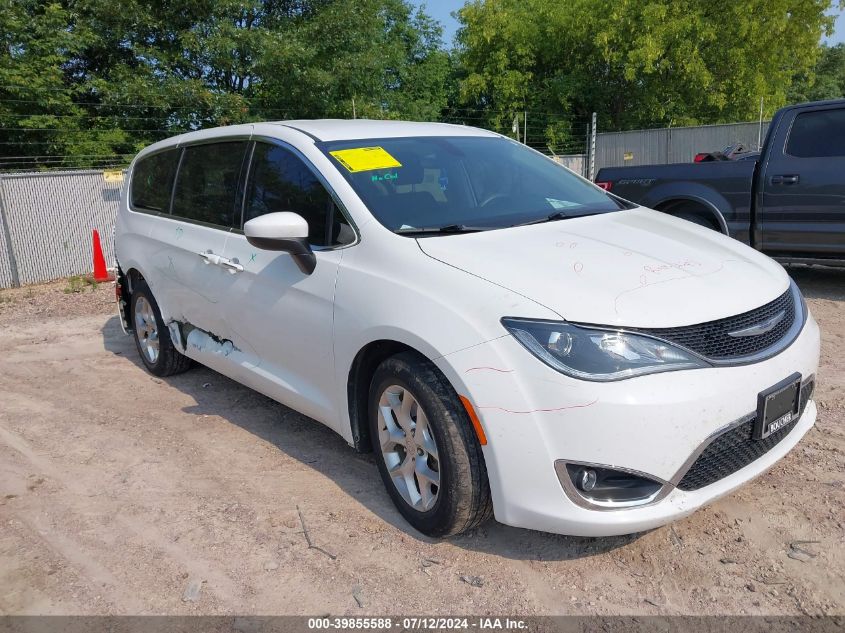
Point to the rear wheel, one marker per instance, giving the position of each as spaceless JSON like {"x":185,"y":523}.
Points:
{"x":428,"y":455}
{"x":691,"y":212}
{"x":697,"y":218}
{"x":152,"y":338}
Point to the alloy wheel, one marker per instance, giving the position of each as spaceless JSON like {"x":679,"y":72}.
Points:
{"x":408,"y":448}
{"x":146,"y":329}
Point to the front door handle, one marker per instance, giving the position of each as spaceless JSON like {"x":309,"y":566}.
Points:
{"x":218,"y":260}
{"x":785,"y":179}
{"x":210,"y":258}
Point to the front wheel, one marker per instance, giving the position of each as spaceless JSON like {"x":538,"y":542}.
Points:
{"x":427,"y":453}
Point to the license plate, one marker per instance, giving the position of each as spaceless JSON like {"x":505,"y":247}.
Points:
{"x":777,"y":406}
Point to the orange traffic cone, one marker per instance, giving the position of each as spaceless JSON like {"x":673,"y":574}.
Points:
{"x":100,"y":272}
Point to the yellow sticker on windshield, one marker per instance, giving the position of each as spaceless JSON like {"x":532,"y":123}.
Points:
{"x":365,"y":159}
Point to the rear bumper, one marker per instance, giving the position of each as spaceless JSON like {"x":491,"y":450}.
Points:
{"x":533,"y":416}
{"x":121,"y":295}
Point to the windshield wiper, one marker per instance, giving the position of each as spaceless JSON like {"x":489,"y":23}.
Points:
{"x":448,"y":228}
{"x":558,"y":215}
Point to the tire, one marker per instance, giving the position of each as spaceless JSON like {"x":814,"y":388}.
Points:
{"x":147,"y":326}
{"x":697,"y":218}
{"x":462,"y":494}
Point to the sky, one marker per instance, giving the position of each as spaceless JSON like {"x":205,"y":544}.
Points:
{"x":839,"y":34}
{"x":441,"y":9}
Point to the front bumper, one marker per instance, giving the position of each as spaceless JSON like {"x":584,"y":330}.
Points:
{"x":534,"y":416}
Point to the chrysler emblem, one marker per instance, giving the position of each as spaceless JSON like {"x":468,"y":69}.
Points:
{"x":759,"y":328}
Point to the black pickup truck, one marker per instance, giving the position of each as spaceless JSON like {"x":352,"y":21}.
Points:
{"x":788,"y":202}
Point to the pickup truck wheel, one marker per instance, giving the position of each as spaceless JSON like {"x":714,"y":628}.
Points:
{"x":427,"y":453}
{"x":697,"y":218}
{"x":152,"y":338}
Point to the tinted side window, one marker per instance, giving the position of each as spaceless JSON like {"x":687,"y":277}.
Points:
{"x":817,"y":134}
{"x":280,"y":181}
{"x":207,"y":184}
{"x":152,"y":181}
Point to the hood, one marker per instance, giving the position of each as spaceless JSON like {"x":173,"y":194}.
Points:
{"x":636,"y":268}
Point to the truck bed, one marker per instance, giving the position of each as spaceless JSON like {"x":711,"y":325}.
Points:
{"x":723,"y":186}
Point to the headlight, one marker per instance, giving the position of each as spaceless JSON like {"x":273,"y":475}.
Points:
{"x":598,"y":354}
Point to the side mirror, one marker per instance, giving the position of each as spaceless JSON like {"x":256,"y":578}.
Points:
{"x":284,"y":231}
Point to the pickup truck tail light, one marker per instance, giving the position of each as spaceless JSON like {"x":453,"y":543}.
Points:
{"x":605,"y":185}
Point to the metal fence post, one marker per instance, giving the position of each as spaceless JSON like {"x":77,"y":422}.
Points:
{"x":585,"y":166}
{"x":593,"y":148}
{"x":668,"y":145}
{"x":7,"y":238}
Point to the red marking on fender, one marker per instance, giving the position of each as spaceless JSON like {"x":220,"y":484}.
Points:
{"x":573,"y":406}
{"x":501,"y":371}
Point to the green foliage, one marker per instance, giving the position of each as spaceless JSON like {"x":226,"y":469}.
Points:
{"x":90,"y":82}
{"x":378,"y":53}
{"x":825,"y":81}
{"x":77,"y":284}
{"x":95,"y":80}
{"x":638,"y":63}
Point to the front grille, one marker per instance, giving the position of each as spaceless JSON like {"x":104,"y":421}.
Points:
{"x":711,"y":339}
{"x":736,"y":448}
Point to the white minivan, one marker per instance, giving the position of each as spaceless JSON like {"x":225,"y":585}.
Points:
{"x":508,"y":338}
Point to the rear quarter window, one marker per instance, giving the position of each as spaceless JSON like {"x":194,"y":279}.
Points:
{"x":819,"y":134}
{"x":152,"y":181}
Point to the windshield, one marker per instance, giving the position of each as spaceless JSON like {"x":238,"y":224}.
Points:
{"x":462,"y":182}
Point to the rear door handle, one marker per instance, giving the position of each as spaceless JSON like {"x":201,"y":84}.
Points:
{"x":231,"y":265}
{"x":785,"y":179}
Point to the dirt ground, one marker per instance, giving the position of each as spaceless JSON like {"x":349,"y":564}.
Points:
{"x":124,"y":494}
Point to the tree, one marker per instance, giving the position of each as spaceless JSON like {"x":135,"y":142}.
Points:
{"x":95,"y":80}
{"x":39,"y":113}
{"x":385,"y":58}
{"x":638,"y":63}
{"x":826,"y":81}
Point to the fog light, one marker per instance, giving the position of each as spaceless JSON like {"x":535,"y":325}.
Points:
{"x":587,"y":479}
{"x":608,"y":488}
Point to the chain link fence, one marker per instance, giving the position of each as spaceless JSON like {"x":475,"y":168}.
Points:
{"x":47,"y":221}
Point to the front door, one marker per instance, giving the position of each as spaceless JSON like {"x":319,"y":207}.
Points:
{"x":279,"y":318}
{"x":803,"y":202}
